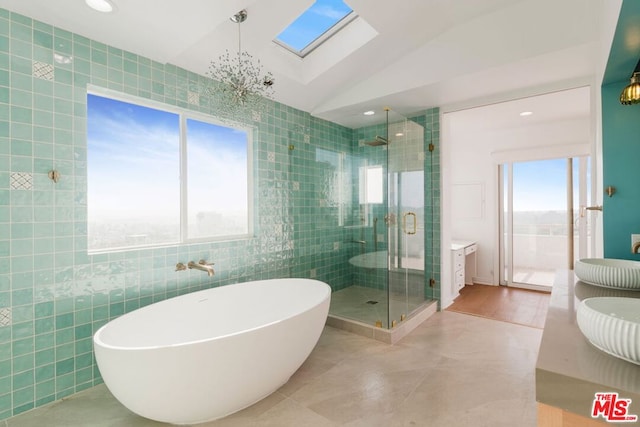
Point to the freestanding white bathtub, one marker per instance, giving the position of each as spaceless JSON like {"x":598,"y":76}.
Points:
{"x":204,"y":355}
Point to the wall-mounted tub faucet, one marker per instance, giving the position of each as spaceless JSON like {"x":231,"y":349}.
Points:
{"x":202,"y":265}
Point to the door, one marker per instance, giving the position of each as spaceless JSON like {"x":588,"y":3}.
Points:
{"x":543,"y":228}
{"x":405,"y":218}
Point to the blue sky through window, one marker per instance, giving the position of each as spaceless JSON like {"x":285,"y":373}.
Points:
{"x":313,"y":23}
{"x":133,"y":148}
{"x":134,"y":183}
{"x":540,"y":185}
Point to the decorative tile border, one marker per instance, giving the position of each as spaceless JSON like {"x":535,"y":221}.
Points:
{"x":193,"y":98}
{"x":21,"y":181}
{"x":43,"y":71}
{"x":5,"y":316}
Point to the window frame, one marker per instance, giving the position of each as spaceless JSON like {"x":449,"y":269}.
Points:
{"x":318,"y":41}
{"x":184,"y":114}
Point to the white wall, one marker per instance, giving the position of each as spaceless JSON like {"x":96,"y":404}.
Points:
{"x":452,"y":143}
{"x":475,"y":141}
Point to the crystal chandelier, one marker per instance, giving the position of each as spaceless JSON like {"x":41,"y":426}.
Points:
{"x":240,"y":85}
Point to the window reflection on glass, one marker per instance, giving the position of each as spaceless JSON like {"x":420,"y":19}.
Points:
{"x":371,"y":185}
{"x":331,"y":181}
{"x":412,"y":201}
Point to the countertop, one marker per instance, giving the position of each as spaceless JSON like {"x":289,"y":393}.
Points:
{"x":570,"y":370}
{"x":461,"y":244}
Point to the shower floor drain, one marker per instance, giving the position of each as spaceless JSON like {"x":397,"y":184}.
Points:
{"x":372,"y":302}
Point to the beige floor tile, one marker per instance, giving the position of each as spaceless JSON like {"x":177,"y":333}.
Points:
{"x":286,"y":412}
{"x":453,"y":370}
{"x":310,"y":370}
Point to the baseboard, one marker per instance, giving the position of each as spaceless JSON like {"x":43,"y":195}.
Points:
{"x":477,"y":281}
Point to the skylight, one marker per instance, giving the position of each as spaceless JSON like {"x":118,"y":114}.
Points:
{"x":323,"y":19}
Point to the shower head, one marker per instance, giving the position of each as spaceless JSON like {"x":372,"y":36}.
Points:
{"x":379,"y":140}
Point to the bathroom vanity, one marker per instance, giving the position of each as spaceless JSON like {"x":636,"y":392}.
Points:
{"x":570,"y":371}
{"x":463,"y":264}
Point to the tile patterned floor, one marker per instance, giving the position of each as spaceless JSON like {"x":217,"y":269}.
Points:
{"x":453,"y":370}
{"x":353,"y":303}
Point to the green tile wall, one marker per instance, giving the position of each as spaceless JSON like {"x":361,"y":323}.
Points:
{"x":53,"y":296}
{"x":429,"y":120}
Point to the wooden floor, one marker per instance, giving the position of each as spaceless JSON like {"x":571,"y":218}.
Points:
{"x":513,"y":305}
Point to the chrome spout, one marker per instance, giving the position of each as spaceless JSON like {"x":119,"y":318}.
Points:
{"x":202,"y":265}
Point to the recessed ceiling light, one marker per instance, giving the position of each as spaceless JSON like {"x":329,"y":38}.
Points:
{"x":399,"y":134}
{"x":104,"y":6}
{"x":526,"y":113}
{"x":369,"y":113}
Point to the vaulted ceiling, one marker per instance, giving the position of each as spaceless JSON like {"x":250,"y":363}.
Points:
{"x":406,"y":54}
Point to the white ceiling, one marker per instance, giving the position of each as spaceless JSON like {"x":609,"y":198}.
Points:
{"x":561,"y":106}
{"x":406,"y":54}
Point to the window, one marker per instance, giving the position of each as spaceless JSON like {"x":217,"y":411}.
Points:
{"x":323,"y":19}
{"x":136,"y":193}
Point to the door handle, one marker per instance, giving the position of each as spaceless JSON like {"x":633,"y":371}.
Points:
{"x":415,"y":223}
{"x":584,"y":209}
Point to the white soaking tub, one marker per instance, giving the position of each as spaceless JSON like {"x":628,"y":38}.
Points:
{"x":204,"y":355}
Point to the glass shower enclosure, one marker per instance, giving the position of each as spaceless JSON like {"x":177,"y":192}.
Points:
{"x":385,"y":227}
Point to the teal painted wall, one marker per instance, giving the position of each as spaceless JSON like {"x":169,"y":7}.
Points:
{"x":53,"y":296}
{"x":621,"y":139}
{"x":620,"y":159}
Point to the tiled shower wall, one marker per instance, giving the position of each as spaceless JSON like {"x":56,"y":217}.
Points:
{"x":430,"y":120}
{"x":53,"y":296}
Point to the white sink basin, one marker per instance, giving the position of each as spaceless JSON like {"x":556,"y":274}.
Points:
{"x":584,"y":290}
{"x":610,"y":273}
{"x":612,"y":324}
{"x":370,"y":260}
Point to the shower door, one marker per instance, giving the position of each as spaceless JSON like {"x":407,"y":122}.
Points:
{"x":405,"y":219}
{"x":384,"y":228}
